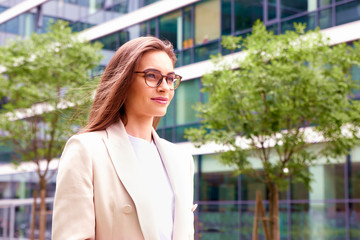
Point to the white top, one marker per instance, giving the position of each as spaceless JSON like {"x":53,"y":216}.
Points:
{"x":155,"y":172}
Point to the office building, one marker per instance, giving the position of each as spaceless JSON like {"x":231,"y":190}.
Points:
{"x":226,"y":202}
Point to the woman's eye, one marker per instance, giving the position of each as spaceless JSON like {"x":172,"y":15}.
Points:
{"x":170,"y":78}
{"x":151,"y":76}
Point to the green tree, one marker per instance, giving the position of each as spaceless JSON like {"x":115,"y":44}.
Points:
{"x":42,"y":86}
{"x":286,"y":93}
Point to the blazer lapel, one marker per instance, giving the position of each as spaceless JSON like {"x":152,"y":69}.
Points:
{"x":170,"y":162}
{"x":130,"y":173}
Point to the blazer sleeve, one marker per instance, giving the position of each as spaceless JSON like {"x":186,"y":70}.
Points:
{"x":73,"y":211}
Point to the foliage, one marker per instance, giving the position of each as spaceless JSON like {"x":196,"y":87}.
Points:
{"x":43,"y":84}
{"x":287,"y":92}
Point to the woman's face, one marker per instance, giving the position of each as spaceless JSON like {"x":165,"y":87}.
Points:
{"x":144,"y":101}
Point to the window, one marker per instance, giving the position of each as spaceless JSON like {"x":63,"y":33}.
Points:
{"x":114,"y":40}
{"x":271,"y":9}
{"x":347,"y":12}
{"x":317,"y":220}
{"x":217,"y":181}
{"x":328,"y":182}
{"x":308,"y":19}
{"x":188,"y":38}
{"x":219,"y":221}
{"x":204,"y":52}
{"x":354,"y":220}
{"x":207,"y":21}
{"x":153,"y":27}
{"x":226,"y":17}
{"x":170,"y":28}
{"x":323,"y":3}
{"x":355,"y":72}
{"x":325,"y":18}
{"x":137,"y":30}
{"x":292,"y":7}
{"x":187,"y":95}
{"x":354,"y":174}
{"x":246,"y":13}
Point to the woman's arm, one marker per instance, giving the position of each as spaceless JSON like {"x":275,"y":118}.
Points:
{"x":73,"y":213}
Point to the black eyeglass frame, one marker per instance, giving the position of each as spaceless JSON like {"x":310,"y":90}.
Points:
{"x":161,"y":79}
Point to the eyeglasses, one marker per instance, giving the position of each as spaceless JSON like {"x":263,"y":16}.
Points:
{"x":154,"y":79}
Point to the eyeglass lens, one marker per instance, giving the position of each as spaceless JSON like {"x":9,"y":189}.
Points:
{"x":154,"y":79}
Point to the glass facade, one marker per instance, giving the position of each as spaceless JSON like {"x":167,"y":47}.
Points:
{"x":196,"y":30}
{"x":170,"y":28}
{"x":331,"y":210}
{"x":226,"y":201}
{"x":181,"y":113}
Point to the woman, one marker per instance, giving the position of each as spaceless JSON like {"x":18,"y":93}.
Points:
{"x":117,"y":179}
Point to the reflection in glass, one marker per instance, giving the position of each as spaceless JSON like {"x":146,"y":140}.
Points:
{"x":12,"y":26}
{"x":218,"y":221}
{"x":217,"y":181}
{"x":187,"y":95}
{"x":114,"y":40}
{"x":246,"y":13}
{"x":188,"y":38}
{"x":250,"y":184}
{"x":179,"y":59}
{"x":205,"y":51}
{"x":318,"y":221}
{"x":120,"y":7}
{"x":308,"y":19}
{"x":347,"y":12}
{"x":225,"y":17}
{"x":169,"y":118}
{"x":207,"y":21}
{"x":328,"y":182}
{"x":323,"y":3}
{"x":355,"y":73}
{"x":271,"y":9}
{"x":354,"y":221}
{"x":247,"y":221}
{"x":170,"y":28}
{"x":291,"y":7}
{"x":180,"y":131}
{"x":299,"y":191}
{"x":168,"y":134}
{"x":325,"y":18}
{"x":354,"y":177}
{"x":273,"y":28}
{"x":137,"y":30}
{"x":160,"y":125}
{"x":152,"y":26}
{"x":187,"y":56}
{"x":147,"y":2}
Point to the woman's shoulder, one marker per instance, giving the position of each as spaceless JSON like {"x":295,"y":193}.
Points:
{"x":87,"y":139}
{"x":88,"y":136}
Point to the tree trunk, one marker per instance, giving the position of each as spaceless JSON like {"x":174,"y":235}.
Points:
{"x":274,"y":212}
{"x":33,"y":216}
{"x":42,"y":218}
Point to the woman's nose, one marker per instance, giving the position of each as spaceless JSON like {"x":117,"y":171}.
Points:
{"x":164,"y":84}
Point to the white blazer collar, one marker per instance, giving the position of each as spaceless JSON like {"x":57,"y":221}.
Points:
{"x":129,"y":172}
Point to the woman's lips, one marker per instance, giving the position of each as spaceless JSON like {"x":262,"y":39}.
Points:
{"x":161,"y":100}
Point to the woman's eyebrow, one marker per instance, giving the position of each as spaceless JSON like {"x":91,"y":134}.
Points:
{"x":156,"y":70}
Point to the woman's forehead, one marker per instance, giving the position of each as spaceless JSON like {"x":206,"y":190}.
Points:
{"x":158,"y":60}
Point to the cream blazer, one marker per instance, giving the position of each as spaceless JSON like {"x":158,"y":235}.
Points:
{"x":101,"y":192}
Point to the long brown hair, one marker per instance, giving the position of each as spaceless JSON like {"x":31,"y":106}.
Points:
{"x":108,"y":106}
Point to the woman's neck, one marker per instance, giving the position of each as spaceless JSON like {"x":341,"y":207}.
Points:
{"x":139,"y":127}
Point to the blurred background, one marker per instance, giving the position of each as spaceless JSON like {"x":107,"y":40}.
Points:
{"x":195,"y":27}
